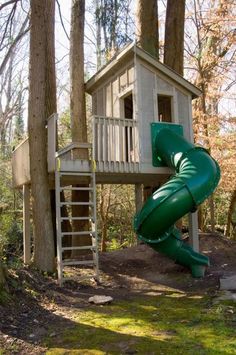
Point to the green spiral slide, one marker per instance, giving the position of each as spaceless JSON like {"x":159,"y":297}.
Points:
{"x":196,"y":176}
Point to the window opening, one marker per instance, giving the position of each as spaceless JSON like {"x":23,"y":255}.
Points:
{"x":128,"y":113}
{"x":164,"y":108}
{"x":128,"y":106}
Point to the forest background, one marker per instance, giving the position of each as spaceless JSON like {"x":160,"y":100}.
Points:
{"x":209,"y":62}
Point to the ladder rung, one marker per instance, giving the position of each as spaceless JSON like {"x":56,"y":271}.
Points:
{"x":76,"y":218}
{"x":78,"y":233}
{"x":75,"y":174}
{"x":84,"y":262}
{"x":80,"y":278}
{"x":76,"y":203}
{"x":76,"y":188}
{"x":87,"y":247}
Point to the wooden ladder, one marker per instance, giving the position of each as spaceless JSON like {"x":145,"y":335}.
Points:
{"x":92,"y":232}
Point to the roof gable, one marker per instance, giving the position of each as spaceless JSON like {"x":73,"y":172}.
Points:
{"x":129,"y":52}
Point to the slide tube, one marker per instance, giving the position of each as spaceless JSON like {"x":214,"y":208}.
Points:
{"x":197,"y":175}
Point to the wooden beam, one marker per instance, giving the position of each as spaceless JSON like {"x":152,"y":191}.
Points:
{"x":26,"y":224}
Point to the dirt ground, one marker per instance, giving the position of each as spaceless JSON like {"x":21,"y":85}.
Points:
{"x":38,"y":303}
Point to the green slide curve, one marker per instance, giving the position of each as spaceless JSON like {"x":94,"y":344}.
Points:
{"x":196,"y":176}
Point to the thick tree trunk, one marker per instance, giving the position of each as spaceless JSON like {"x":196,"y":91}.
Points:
{"x":147,"y":26}
{"x":77,"y":96}
{"x":174,"y":35}
{"x":78,"y":112}
{"x":42,"y":218}
{"x":50,"y":85}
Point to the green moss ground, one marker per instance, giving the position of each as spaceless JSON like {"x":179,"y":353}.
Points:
{"x":170,"y":323}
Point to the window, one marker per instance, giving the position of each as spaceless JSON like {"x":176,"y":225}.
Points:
{"x":128,"y":113}
{"x":164,"y":108}
{"x":128,"y":106}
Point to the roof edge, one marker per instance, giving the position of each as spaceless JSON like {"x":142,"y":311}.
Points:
{"x":132,"y":47}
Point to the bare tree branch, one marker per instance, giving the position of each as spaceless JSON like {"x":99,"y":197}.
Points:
{"x":62,"y":22}
{"x":8,"y":3}
{"x":21,"y":34}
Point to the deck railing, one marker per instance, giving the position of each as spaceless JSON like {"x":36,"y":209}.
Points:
{"x":116,"y":141}
{"x":21,"y":159}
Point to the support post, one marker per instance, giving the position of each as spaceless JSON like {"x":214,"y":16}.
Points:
{"x":193,"y":231}
{"x":26,"y":224}
{"x":138,"y":197}
{"x":138,"y":201}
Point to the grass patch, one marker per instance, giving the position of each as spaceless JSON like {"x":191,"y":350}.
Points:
{"x":165,"y":324}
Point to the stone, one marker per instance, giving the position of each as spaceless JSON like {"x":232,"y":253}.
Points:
{"x":228,"y":283}
{"x":226,"y":296}
{"x":100,"y":300}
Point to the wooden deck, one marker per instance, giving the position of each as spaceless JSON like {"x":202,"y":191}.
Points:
{"x":115,"y":156}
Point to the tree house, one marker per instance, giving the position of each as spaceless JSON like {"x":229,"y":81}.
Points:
{"x":130,"y":93}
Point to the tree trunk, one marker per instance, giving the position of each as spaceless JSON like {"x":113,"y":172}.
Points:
{"x":174,"y":35}
{"x":147,"y":26}
{"x":104,"y":238}
{"x":105,"y":204}
{"x":78,"y":112}
{"x":77,"y":96}
{"x":44,"y":245}
{"x":231,"y":210}
{"x":212,"y":212}
{"x":50,"y":88}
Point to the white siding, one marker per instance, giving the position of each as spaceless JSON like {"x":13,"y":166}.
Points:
{"x":163,"y":86}
{"x":109,"y":101}
{"x":116,"y":101}
{"x":123,"y":80}
{"x":94,"y":104}
{"x":146,"y":111}
{"x":100,"y":103}
{"x":183,"y":112}
{"x":130,"y":75}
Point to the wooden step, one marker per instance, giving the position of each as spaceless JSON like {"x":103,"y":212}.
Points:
{"x":66,"y":173}
{"x":76,"y":262}
{"x":85,"y":247}
{"x":77,"y":218}
{"x":76,"y":203}
{"x":76,"y":188}
{"x":78,"y":233}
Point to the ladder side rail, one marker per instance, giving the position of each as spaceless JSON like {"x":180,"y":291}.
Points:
{"x":95,"y":238}
{"x":58,"y":226}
